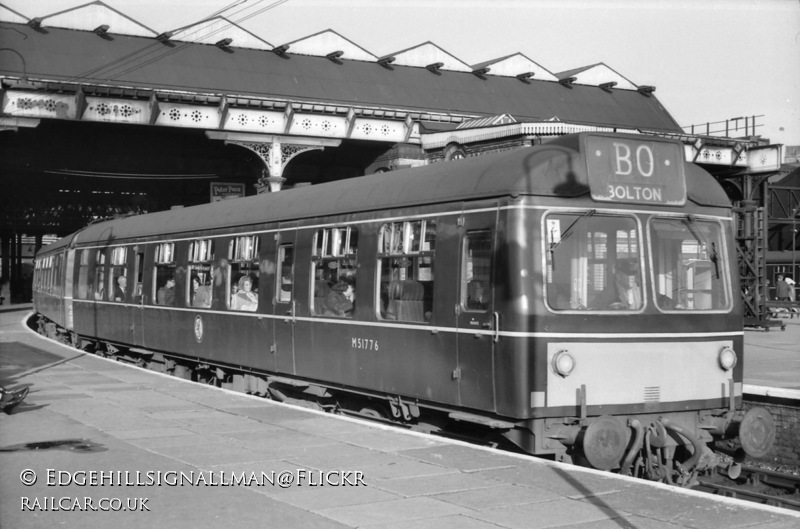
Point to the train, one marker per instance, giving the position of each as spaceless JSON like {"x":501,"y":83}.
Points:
{"x":576,"y":300}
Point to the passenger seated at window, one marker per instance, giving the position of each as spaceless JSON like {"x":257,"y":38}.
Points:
{"x":166,"y":294}
{"x":121,"y":289}
{"x":244,"y":298}
{"x":201,"y":294}
{"x":626,"y":284}
{"x":340,"y":300}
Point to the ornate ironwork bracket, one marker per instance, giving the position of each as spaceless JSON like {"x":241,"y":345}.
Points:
{"x":275,"y":156}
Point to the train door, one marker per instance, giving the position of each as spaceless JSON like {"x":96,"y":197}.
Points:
{"x":68,"y":294}
{"x":138,"y":295}
{"x":478,"y":322}
{"x":284,"y":300}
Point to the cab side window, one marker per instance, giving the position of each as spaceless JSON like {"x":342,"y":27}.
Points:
{"x":476,"y":271}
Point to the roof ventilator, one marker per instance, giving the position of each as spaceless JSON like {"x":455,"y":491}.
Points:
{"x":387,"y":61}
{"x":334,"y":56}
{"x":608,"y":86}
{"x":101,"y":31}
{"x":435,"y":67}
{"x":646,"y":90}
{"x":281,"y":50}
{"x":567,"y":81}
{"x":481,"y":72}
{"x":224,"y":43}
{"x":164,"y":37}
{"x":525,"y":76}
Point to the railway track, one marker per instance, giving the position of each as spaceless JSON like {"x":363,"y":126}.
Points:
{"x":757,"y":485}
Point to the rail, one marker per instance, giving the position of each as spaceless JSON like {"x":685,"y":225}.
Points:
{"x":758,"y":485}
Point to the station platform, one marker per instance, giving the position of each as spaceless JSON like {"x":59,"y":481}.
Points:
{"x":100,"y":444}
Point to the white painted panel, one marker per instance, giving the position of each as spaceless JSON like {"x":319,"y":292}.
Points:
{"x":90,"y":16}
{"x":38,"y":105}
{"x":429,"y":53}
{"x":217,"y":29}
{"x":600,"y":74}
{"x":518,"y":64}
{"x":319,"y":125}
{"x":262,"y":121}
{"x":328,"y":41}
{"x":378,"y":130}
{"x":192,"y":116}
{"x":116,"y":110}
{"x":621,"y":373}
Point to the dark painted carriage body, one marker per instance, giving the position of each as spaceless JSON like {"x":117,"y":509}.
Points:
{"x":494,"y":363}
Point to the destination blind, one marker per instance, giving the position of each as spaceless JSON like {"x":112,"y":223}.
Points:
{"x":633,"y":170}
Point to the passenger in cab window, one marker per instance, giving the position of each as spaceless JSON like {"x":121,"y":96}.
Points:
{"x":166,"y":294}
{"x":341,"y":299}
{"x":244,"y":298}
{"x":120,"y":290}
{"x":629,"y":293}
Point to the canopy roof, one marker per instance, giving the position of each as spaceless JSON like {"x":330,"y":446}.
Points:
{"x":63,"y":56}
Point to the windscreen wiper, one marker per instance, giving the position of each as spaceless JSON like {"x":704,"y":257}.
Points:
{"x":568,"y":232}
{"x":711,"y":249}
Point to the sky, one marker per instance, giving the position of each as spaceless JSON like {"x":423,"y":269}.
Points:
{"x":709,"y":60}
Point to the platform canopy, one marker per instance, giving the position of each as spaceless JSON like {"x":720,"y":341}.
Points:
{"x":107,"y":54}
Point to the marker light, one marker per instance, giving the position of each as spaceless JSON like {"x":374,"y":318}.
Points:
{"x":727,"y":358}
{"x":563,"y":363}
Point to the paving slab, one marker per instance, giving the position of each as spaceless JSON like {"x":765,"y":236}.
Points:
{"x":133,"y":422}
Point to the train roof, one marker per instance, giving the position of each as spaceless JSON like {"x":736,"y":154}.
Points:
{"x":555,"y":169}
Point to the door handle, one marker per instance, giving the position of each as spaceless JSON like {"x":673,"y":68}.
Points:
{"x":496,"y":318}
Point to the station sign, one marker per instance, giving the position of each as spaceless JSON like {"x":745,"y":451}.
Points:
{"x":222,"y":191}
{"x":632,"y":170}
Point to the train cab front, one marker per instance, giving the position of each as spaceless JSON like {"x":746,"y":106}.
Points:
{"x":638,"y":338}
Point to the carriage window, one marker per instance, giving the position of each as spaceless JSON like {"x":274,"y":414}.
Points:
{"x":201,"y":273}
{"x":83,"y":275}
{"x":476,"y":271}
{"x":100,"y":275}
{"x":593,"y":262}
{"x":689,"y":265}
{"x":243,"y":271}
{"x":405,"y":265}
{"x":118,"y":283}
{"x":334,"y":262}
{"x":164,"y":274}
{"x":138,"y":274}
